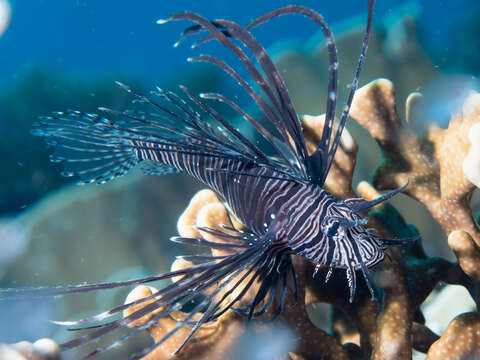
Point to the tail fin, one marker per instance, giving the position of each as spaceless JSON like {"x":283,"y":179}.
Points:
{"x":88,"y":144}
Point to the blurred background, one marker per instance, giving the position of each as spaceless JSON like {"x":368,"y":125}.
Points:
{"x":66,"y":54}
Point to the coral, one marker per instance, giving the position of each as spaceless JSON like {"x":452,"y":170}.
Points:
{"x":125,"y":215}
{"x":118,"y":213}
{"x":392,"y":325}
{"x":43,"y":349}
{"x":435,"y":166}
{"x":443,"y":170}
{"x":461,"y":340}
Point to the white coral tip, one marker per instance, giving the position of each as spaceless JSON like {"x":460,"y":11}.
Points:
{"x":471,"y":163}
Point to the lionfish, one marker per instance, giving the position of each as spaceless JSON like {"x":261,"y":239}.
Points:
{"x":279,"y":198}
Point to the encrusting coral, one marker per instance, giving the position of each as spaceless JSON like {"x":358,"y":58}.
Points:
{"x":390,"y":326}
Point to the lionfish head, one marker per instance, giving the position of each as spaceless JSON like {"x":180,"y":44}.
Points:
{"x":349,"y":244}
{"x":355,"y":245}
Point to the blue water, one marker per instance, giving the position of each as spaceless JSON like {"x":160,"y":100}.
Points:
{"x":93,"y":37}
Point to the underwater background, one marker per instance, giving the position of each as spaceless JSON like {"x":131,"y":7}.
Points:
{"x":66,"y":54}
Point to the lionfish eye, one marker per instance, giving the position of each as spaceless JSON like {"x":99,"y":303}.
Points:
{"x":333,"y":228}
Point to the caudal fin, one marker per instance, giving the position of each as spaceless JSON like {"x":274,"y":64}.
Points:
{"x":88,"y":144}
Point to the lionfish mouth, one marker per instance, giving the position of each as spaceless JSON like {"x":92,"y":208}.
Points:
{"x":366,"y":251}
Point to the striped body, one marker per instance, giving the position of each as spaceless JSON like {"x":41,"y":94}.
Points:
{"x":259,"y":198}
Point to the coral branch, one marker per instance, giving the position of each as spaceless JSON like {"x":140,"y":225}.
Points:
{"x":438,"y":168}
{"x":467,"y":252}
{"x":395,"y":320}
{"x":461,"y":340}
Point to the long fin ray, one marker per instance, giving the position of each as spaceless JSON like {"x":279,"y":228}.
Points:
{"x":97,"y":149}
{"x":353,"y":89}
{"x":317,"y":172}
{"x":234,"y":273}
{"x":284,"y":118}
{"x":288,"y":159}
{"x":176,"y":297}
{"x":324,"y":153}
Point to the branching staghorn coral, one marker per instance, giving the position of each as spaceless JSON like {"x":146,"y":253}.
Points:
{"x":435,"y":168}
{"x":442,"y":177}
{"x":440,"y":168}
